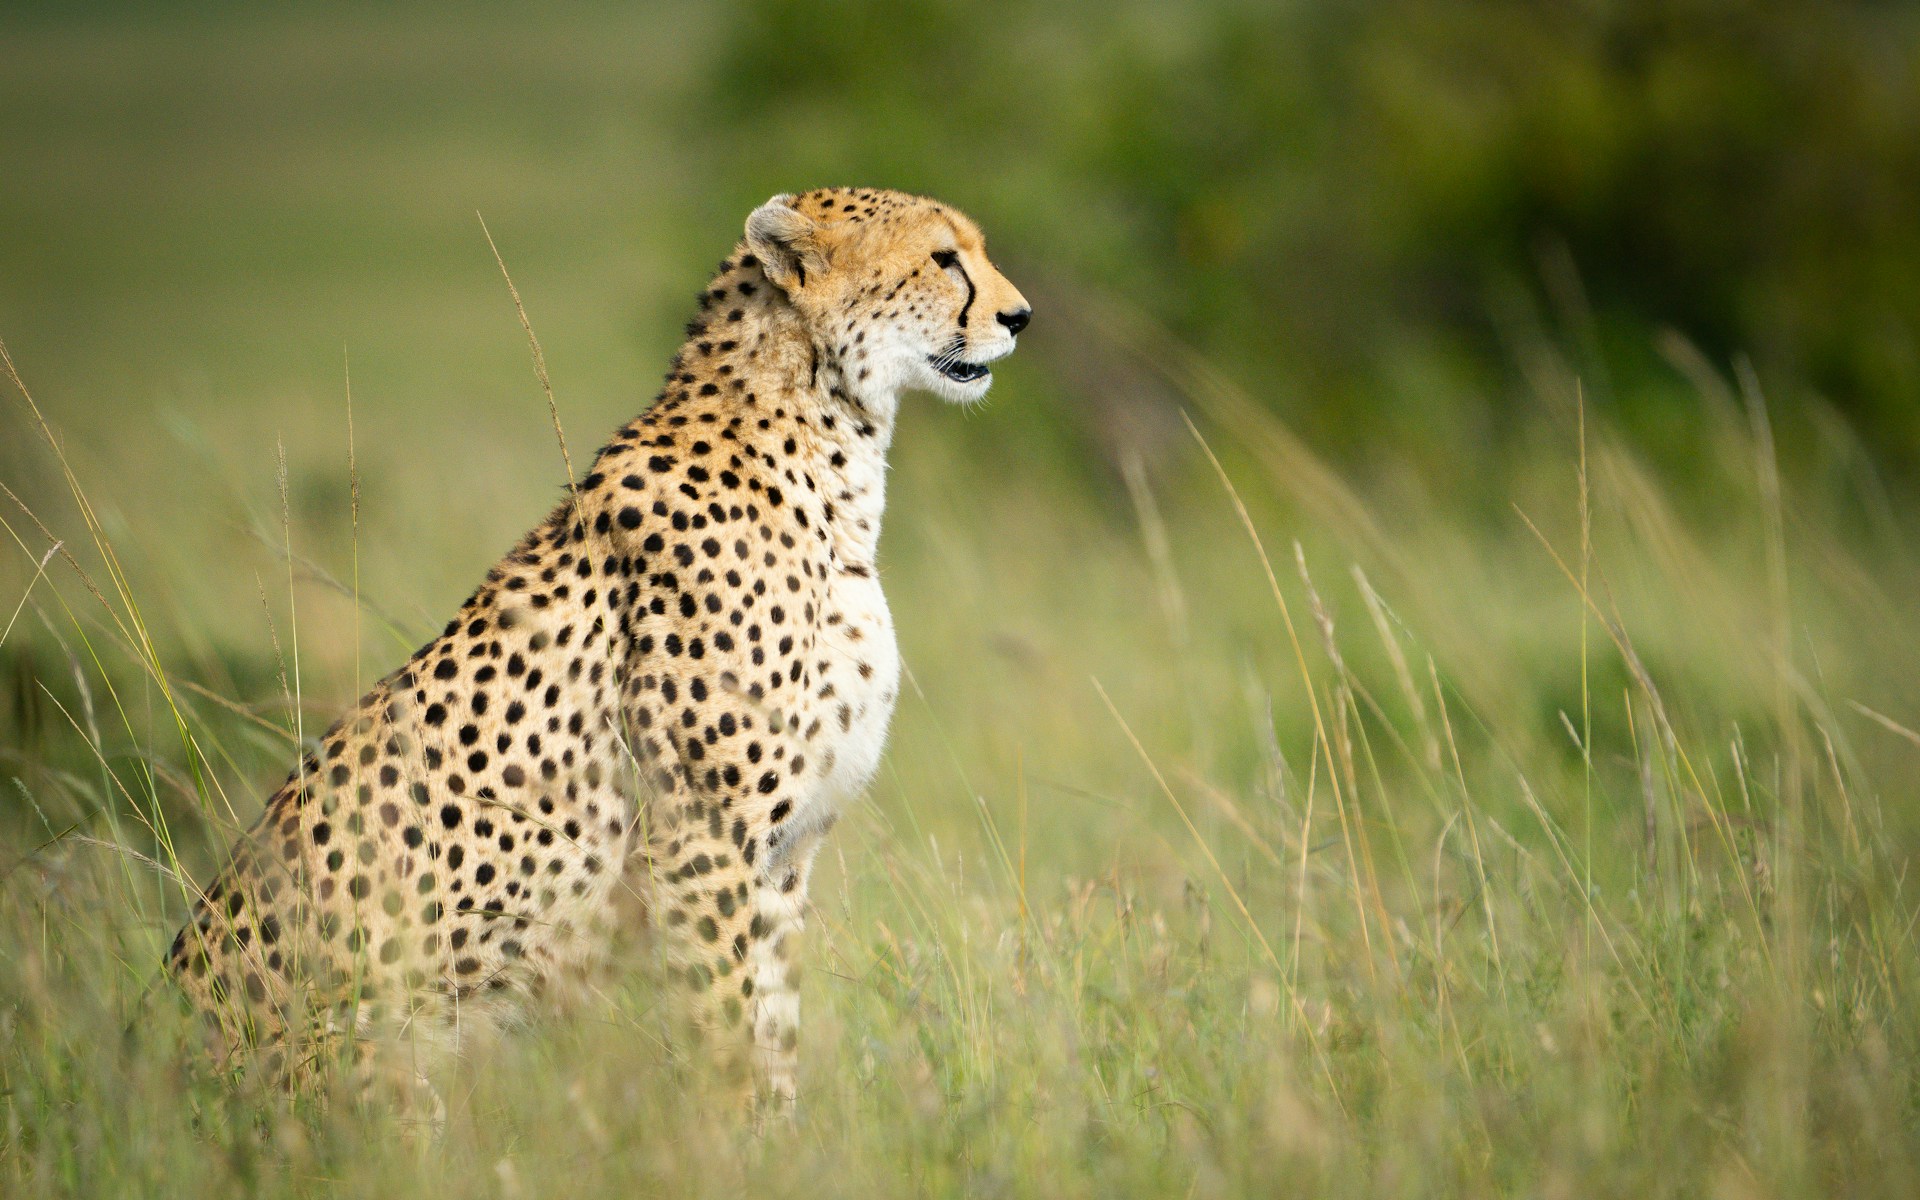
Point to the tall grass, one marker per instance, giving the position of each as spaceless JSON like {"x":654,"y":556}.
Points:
{"x":1248,"y":829}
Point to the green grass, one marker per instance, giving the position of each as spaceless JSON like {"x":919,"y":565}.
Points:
{"x":1521,"y":809}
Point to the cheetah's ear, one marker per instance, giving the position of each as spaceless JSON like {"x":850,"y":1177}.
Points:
{"x":787,"y":242}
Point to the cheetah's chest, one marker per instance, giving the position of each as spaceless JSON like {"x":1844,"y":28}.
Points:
{"x":855,"y":697}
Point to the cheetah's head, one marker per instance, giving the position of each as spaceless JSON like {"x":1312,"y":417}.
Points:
{"x":897,"y":288}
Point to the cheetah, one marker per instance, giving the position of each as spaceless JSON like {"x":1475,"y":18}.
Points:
{"x":651,"y":711}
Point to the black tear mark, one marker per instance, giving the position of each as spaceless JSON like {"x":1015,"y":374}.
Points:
{"x":960,"y":267}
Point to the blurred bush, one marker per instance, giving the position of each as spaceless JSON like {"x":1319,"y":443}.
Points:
{"x":1338,"y":194}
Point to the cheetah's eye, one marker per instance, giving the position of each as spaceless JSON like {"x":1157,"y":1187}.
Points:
{"x":945,"y":258}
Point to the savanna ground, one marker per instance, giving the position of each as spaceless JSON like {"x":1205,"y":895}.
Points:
{"x":1522,"y":806}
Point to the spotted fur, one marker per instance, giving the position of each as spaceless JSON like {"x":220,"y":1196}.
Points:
{"x":653,"y":709}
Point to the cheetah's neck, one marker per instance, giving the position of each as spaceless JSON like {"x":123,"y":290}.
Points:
{"x":786,"y":410}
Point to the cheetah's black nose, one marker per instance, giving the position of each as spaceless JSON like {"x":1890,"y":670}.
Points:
{"x":1016,"y":320}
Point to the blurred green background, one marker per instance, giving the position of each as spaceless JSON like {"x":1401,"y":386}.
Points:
{"x":1359,"y":208}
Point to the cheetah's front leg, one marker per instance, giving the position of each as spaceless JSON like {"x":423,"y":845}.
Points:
{"x":733,"y":911}
{"x":781,"y":901}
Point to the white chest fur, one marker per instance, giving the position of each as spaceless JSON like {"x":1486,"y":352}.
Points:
{"x":854,"y":698}
{"x":865,"y":678}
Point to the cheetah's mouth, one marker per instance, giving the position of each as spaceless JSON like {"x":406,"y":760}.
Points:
{"x":959,"y":372}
